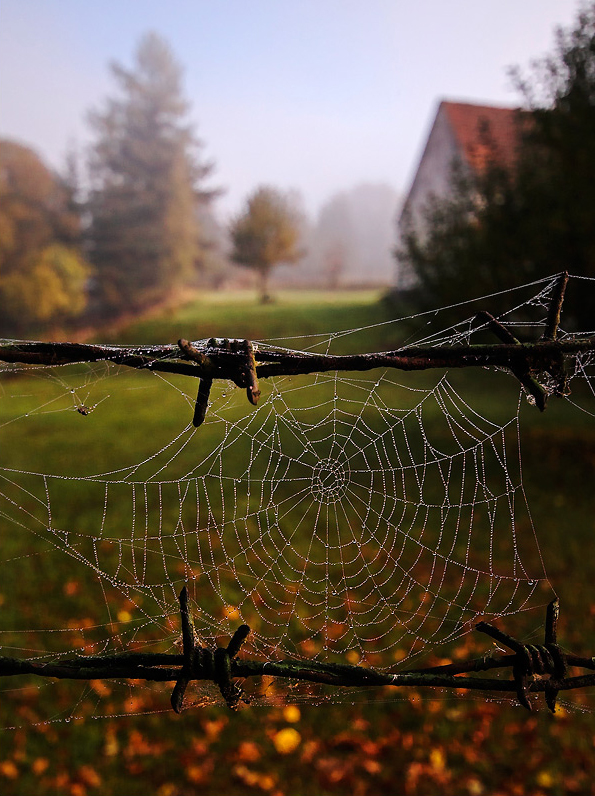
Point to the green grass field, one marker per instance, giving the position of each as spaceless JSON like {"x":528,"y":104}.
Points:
{"x":403,"y":742}
{"x":236,"y":314}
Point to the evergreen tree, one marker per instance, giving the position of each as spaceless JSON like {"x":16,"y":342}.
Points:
{"x":146,"y":184}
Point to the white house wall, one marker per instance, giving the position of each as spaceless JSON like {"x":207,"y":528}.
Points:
{"x":433,"y":174}
{"x":432,"y":178}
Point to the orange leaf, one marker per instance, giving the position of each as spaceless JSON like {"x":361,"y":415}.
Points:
{"x":40,"y":764}
{"x":248,"y":752}
{"x":89,"y":776}
{"x":8,"y":769}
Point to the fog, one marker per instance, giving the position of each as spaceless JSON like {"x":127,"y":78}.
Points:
{"x":330,"y":100}
{"x":350,"y":241}
{"x":313,"y":96}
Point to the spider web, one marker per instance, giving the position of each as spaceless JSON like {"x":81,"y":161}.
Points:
{"x":369,"y":519}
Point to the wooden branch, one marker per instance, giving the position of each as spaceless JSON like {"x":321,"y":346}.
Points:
{"x":538,"y":355}
{"x":555,"y":309}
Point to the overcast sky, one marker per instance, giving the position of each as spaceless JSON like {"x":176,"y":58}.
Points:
{"x":313,"y":95}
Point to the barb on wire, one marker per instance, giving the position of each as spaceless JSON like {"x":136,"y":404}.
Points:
{"x":535,"y":668}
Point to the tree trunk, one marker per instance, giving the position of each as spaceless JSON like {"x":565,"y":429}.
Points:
{"x":265,"y":298}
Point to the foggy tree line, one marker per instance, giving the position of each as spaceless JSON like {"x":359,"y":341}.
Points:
{"x":139,"y":225}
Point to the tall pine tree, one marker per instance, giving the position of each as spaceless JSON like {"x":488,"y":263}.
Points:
{"x":146,"y":184}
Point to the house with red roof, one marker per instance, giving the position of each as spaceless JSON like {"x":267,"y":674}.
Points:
{"x":470,"y":135}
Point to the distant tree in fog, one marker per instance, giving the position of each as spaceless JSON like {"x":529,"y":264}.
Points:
{"x":146,"y":184}
{"x":265,"y":234}
{"x":355,"y":235}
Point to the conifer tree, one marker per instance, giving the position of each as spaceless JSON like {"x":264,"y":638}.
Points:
{"x":146,"y":184}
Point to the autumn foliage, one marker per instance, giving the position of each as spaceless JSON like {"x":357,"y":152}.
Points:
{"x":43,"y":276}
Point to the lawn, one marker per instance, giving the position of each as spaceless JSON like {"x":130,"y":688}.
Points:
{"x":78,"y":738}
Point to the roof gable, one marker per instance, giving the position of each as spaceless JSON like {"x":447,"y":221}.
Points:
{"x":485,"y":134}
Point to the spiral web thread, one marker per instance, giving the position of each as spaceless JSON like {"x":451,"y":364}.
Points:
{"x":367,"y":519}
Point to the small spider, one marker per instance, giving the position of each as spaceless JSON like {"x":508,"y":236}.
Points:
{"x":85,"y":409}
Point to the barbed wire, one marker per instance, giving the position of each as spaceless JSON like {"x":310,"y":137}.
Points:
{"x":535,"y":668}
{"x":244,"y":362}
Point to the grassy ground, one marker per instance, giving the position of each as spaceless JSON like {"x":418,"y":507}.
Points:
{"x":405,"y":743}
{"x":236,"y":314}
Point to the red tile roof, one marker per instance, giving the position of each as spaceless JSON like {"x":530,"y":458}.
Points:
{"x":484,"y":133}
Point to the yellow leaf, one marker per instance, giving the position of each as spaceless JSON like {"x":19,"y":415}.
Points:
{"x":475,"y":787}
{"x":287,"y":740}
{"x":437,"y":759}
{"x":545,"y":779}
{"x":112,"y":747}
{"x":291,"y":713}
